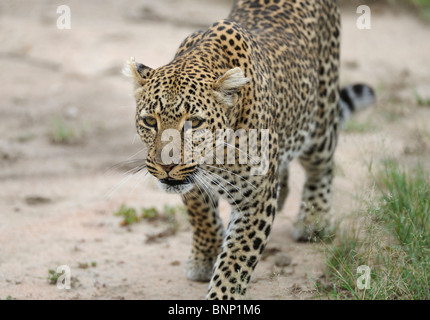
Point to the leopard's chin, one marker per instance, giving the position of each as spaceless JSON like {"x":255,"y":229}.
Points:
{"x":175,"y":186}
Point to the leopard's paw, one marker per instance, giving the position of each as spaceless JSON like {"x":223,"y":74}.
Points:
{"x":312,"y":232}
{"x":199,"y":270}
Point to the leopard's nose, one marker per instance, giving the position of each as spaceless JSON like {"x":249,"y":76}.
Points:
{"x":167,"y":167}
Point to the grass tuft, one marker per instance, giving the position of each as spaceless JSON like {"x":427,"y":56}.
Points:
{"x":354,"y":126}
{"x":63,"y":132}
{"x":53,"y":276}
{"x":393,"y":241}
{"x":128,"y":214}
{"x":421,"y":101}
{"x":168,"y":213}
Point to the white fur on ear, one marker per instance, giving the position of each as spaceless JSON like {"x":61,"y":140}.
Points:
{"x":227,"y":87}
{"x":129,"y":68}
{"x":136,"y":71}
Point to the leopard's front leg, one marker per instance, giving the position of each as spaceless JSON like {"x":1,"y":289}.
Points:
{"x":208,"y":234}
{"x":247,"y":235}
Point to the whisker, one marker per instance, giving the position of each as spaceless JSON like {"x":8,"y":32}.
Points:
{"x":238,"y":189}
{"x":235,"y":174}
{"x":134,"y":138}
{"x":119,"y":185}
{"x":135,"y":170}
{"x":205,"y":187}
{"x":129,"y":174}
{"x":253,"y":161}
{"x":125,"y":163}
{"x":140,"y":151}
{"x":194,"y":178}
{"x":185,"y":196}
{"x":141,"y":180}
{"x":229,"y":171}
{"x":225,"y":190}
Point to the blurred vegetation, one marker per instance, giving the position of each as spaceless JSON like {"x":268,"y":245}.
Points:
{"x":168,"y":213}
{"x":63,"y":131}
{"x":421,"y":7}
{"x":355,"y":126}
{"x":421,"y":101}
{"x":393,"y":240}
{"x":53,"y":276}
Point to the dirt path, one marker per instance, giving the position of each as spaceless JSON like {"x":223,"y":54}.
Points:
{"x":56,"y":206}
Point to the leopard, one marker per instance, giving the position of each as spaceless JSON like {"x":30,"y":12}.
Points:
{"x":272,"y":66}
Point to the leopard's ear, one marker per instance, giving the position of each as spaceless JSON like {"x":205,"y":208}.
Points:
{"x":137,"y":71}
{"x":228,"y":86}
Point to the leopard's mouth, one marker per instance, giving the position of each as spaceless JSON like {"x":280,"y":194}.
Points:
{"x":176,"y":186}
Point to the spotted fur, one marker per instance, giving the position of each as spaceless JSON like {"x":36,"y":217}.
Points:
{"x":272,"y":64}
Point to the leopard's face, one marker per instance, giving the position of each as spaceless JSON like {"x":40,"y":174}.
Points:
{"x":170,"y":126}
{"x":177,"y":117}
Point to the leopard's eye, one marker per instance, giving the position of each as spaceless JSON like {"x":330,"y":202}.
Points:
{"x":150,"y":122}
{"x":196,"y":122}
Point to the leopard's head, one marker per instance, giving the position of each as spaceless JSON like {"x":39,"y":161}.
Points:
{"x":180,"y":106}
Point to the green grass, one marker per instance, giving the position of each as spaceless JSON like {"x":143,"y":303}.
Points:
{"x":354,"y":126}
{"x":406,"y":207}
{"x":25,"y":137}
{"x":86,"y":265}
{"x":392,"y":238}
{"x":128,"y":214}
{"x":64,"y":132}
{"x":421,"y":6}
{"x":149,"y":213}
{"x":53,"y":276}
{"x":168,"y":213}
{"x":421,"y":101}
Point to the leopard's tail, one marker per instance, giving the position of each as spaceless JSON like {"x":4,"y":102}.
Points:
{"x":354,"y":98}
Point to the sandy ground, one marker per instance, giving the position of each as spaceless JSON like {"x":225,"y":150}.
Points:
{"x":56,"y":199}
